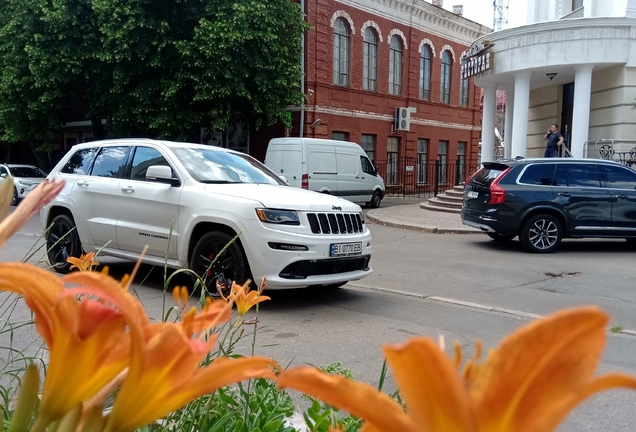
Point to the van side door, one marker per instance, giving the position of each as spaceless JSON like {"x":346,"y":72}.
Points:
{"x":322,"y":167}
{"x":350,"y":183}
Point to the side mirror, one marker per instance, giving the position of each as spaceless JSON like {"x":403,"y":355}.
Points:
{"x":3,"y":175}
{"x":161,"y":174}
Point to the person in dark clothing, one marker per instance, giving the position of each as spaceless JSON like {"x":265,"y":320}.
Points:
{"x":555,"y":140}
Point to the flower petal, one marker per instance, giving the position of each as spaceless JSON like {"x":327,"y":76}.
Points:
{"x":547,"y":361}
{"x":359,"y":399}
{"x":430,"y":386}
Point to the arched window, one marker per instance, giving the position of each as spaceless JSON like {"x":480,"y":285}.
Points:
{"x":341,"y":52}
{"x":370,"y":60}
{"x":445,"y":89}
{"x":395,"y":66}
{"x":463,"y":92}
{"x":425,"y":73}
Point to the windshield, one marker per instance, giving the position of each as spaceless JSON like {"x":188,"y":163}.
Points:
{"x":27,"y":172}
{"x":213,"y":166}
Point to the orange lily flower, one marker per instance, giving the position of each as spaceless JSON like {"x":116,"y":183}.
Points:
{"x":164,"y":372}
{"x":85,"y":262}
{"x":244,"y":298}
{"x":86,"y":339}
{"x":536,"y":376}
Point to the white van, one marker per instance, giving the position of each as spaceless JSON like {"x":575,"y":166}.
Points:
{"x":335,"y":167}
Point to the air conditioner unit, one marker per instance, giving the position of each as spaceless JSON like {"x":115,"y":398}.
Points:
{"x":402,"y":119}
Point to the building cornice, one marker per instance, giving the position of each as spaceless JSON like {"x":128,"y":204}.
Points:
{"x":423,"y":16}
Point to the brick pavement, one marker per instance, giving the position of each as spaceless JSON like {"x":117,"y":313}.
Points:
{"x":412,"y":216}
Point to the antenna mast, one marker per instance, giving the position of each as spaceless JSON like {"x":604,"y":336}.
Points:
{"x":501,"y":14}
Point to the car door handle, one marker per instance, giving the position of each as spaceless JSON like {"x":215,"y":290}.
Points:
{"x":363,"y":178}
{"x":82,"y":183}
{"x":128,"y":189}
{"x":358,"y":177}
{"x":565,"y":194}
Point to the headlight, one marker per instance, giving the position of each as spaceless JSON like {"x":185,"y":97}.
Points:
{"x":283,"y":217}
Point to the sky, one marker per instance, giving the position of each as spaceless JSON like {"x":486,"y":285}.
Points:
{"x":482,"y":11}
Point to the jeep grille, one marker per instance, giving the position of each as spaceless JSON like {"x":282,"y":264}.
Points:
{"x":335,"y":223}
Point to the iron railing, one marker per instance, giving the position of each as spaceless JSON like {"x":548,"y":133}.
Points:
{"x":410,"y":176}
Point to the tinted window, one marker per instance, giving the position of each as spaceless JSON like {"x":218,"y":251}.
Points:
{"x":110,"y":162}
{"x":618,"y":177}
{"x":578,"y":175}
{"x":80,"y":162}
{"x":145,"y":157}
{"x":3,"y":170}
{"x":539,"y":174}
{"x":486,"y":176}
{"x":367,"y":166}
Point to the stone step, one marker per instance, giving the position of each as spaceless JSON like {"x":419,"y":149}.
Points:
{"x":459,"y":188}
{"x":455,"y":193}
{"x":451,"y":198}
{"x":446,"y":204}
{"x":429,"y":207}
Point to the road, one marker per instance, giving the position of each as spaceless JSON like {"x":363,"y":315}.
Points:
{"x":465,"y":287}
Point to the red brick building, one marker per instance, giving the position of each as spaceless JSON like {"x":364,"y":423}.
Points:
{"x":365,"y":58}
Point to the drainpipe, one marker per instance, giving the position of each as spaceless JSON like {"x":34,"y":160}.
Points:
{"x":302,"y":74}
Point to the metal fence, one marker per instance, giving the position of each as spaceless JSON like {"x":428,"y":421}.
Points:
{"x":410,"y":176}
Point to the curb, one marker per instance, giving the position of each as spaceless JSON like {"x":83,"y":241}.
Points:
{"x":427,"y":229}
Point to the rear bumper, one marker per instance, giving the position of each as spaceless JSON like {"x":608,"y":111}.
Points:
{"x":488,"y":223}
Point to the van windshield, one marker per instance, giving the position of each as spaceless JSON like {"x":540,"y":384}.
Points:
{"x":221,"y":167}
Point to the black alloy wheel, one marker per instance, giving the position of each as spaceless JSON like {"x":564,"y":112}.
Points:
{"x":541,"y":233}
{"x":375,"y":200}
{"x":62,"y":242}
{"x":216,"y":268}
{"x":500,"y":237}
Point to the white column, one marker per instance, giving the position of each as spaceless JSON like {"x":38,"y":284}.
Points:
{"x":510,"y":109}
{"x":488,"y":123}
{"x":630,"y":11}
{"x":587,"y":8}
{"x":581,"y":109}
{"x":520,"y":119}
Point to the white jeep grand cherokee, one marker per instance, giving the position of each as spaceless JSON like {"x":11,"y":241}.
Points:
{"x":187,"y":201}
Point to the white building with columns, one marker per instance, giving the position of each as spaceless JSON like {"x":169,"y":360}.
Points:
{"x":573,"y":64}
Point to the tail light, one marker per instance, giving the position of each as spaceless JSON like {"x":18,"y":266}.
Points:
{"x":304,"y":183}
{"x":497,"y":194}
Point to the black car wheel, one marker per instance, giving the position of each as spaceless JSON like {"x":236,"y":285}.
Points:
{"x":213,"y":266}
{"x":62,"y":242}
{"x":15,"y":200}
{"x":375,"y":200}
{"x":500,"y":237}
{"x":541,"y":234}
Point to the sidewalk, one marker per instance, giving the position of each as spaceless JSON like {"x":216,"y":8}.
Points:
{"x":412,"y":216}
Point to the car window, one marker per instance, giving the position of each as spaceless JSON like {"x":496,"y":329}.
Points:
{"x":367,"y":166}
{"x":619,"y":177}
{"x":486,"y":176}
{"x":538,"y":174}
{"x":578,"y":175}
{"x":32,"y":172}
{"x":3,"y":170}
{"x":110,"y":162}
{"x":143,"y":158}
{"x":214,"y":166}
{"x":80,"y":162}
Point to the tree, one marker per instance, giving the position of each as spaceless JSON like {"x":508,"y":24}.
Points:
{"x":153,"y":69}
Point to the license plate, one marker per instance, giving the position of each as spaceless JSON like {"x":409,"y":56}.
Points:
{"x":472,"y":194}
{"x":344,"y":249}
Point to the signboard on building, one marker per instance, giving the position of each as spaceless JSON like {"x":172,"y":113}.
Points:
{"x":477,"y":59}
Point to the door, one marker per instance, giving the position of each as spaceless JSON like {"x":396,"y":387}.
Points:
{"x":350,"y":177}
{"x":567,"y":108}
{"x":322,"y":167}
{"x":621,"y":183}
{"x":96,"y":196}
{"x":579,"y":190}
{"x":148,"y":211}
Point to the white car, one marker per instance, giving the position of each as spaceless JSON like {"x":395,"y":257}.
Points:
{"x":188,"y":201}
{"x":25,"y":178}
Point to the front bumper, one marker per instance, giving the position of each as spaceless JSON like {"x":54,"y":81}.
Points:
{"x":286,"y":269}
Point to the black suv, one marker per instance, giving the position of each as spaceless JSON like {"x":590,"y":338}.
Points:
{"x":545,"y":200}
